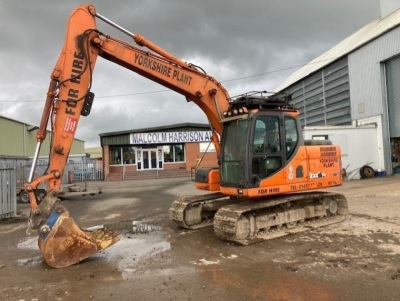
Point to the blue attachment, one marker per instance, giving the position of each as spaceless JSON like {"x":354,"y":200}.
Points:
{"x":50,"y":223}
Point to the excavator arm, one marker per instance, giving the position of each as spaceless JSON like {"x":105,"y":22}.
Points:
{"x":61,"y":241}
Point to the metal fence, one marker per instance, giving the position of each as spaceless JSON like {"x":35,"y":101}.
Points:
{"x":88,"y":170}
{"x":8,"y":198}
{"x":84,"y":171}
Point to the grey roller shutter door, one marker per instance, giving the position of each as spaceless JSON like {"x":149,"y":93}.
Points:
{"x":393,"y":95}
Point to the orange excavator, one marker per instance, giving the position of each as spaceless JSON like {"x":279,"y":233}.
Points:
{"x":268,"y":180}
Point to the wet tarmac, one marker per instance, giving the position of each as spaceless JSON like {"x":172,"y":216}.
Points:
{"x":358,"y":259}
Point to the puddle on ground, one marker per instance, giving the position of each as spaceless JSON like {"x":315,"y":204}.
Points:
{"x":132,"y":227}
{"x":31,"y":261}
{"x":131,"y":250}
{"x":139,"y":240}
{"x":28,"y":243}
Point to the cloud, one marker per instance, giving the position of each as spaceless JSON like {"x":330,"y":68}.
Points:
{"x":247,"y":45}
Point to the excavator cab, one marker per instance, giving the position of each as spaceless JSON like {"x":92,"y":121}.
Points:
{"x":260,"y":136}
{"x":257,"y":145}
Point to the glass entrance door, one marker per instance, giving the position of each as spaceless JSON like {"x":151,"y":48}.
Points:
{"x":149,"y":159}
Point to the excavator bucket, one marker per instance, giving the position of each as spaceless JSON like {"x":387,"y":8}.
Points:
{"x":67,"y":244}
{"x":62,"y":243}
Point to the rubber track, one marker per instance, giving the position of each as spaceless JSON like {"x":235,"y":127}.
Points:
{"x":226,"y":218}
{"x":178,"y":207}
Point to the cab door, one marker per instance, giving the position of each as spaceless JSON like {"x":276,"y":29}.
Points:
{"x":274,"y":142}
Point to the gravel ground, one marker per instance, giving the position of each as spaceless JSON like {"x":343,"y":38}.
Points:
{"x":358,"y":259}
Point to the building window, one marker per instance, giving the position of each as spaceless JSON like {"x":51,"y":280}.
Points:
{"x":122,"y":155}
{"x":168,"y":153}
{"x":115,"y":155}
{"x":179,"y":154}
{"x":128,"y":155}
{"x":174,"y":153}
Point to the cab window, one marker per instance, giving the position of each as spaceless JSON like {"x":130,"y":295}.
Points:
{"x":266,"y":136}
{"x":291,"y":136}
{"x":266,"y":145}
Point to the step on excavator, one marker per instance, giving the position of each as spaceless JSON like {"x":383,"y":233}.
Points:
{"x":268,"y":182}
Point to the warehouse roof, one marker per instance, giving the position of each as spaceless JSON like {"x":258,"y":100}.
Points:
{"x":14,"y":120}
{"x":363,"y":36}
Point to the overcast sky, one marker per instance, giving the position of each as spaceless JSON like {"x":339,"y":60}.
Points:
{"x":247,"y":45}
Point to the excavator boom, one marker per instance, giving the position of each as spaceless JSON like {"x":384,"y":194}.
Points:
{"x":61,"y":241}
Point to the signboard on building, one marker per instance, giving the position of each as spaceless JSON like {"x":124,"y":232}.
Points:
{"x":207,"y":147}
{"x":170,"y":137}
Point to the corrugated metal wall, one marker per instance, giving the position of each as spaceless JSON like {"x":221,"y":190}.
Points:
{"x":19,"y":139}
{"x":116,"y":140}
{"x":323,"y":98}
{"x":369,"y":91}
{"x":8,"y":198}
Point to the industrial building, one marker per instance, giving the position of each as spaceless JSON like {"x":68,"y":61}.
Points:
{"x":355,"y":85}
{"x":165,"y":151}
{"x":18,"y":145}
{"x":18,"y":140}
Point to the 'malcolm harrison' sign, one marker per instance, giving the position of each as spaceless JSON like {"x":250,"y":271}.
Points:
{"x":170,"y":137}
